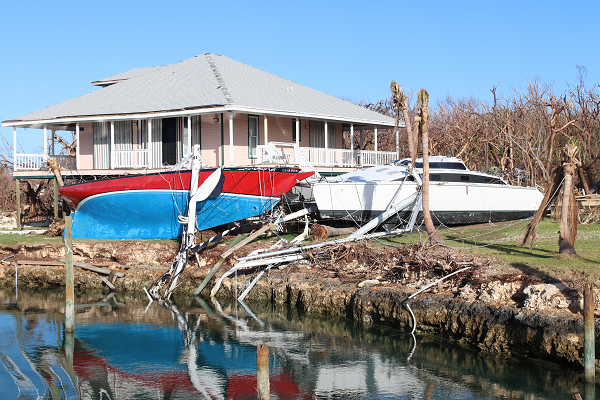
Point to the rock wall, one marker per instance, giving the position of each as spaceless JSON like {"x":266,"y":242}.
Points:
{"x":494,"y":327}
{"x":489,"y":327}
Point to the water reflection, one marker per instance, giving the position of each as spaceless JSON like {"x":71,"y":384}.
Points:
{"x":124,"y":348}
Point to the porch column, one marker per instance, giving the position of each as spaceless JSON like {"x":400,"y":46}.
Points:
{"x":18,"y":195}
{"x":326,"y":137}
{"x":375,"y":138}
{"x":360,"y":148}
{"x":231,"y":114}
{"x":14,"y":148}
{"x":77,"y":151}
{"x":55,"y":198}
{"x":189,"y":138}
{"x":149,"y":132}
{"x":53,"y":138}
{"x":297,"y":132}
{"x":45,"y":142}
{"x":266,"y":130}
{"x":352,"y":162}
{"x":112,"y":145}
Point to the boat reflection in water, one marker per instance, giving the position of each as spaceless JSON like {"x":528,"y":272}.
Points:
{"x":123,"y":348}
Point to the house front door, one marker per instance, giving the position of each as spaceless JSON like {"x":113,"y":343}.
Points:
{"x":169,"y":139}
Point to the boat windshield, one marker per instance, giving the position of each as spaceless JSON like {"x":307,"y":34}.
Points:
{"x":380,"y":173}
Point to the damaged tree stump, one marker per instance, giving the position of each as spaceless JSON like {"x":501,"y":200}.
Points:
{"x":324,"y":231}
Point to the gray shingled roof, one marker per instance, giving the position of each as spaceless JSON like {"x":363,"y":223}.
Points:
{"x":204,"y":81}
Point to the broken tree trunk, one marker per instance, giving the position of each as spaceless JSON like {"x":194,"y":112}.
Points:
{"x":423,"y":103}
{"x":53,"y":166}
{"x":324,"y":231}
{"x":566,"y":240}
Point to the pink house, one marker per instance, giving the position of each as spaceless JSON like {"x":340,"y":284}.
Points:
{"x":149,"y":118}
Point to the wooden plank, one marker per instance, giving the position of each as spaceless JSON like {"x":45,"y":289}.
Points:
{"x":108,"y":283}
{"x":99,"y":270}
{"x":56,"y":263}
{"x":41,"y":262}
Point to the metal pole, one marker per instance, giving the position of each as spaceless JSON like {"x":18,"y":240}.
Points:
{"x":589,"y":337}
{"x":69,"y":280}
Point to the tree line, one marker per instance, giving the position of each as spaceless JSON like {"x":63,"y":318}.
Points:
{"x":518,"y":134}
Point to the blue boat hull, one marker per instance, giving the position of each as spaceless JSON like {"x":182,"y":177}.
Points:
{"x":152,"y":214}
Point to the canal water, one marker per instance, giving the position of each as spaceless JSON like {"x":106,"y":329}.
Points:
{"x":193,"y":348}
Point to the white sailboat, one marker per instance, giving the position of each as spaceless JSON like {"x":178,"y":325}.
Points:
{"x":458,"y":196}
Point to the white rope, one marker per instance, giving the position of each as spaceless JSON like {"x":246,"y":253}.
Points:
{"x":424,"y":289}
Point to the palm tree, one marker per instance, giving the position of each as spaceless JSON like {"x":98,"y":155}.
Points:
{"x":421,"y":124}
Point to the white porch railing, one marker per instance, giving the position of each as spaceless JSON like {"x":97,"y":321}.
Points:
{"x":32,"y":162}
{"x":133,"y":158}
{"x":310,"y":157}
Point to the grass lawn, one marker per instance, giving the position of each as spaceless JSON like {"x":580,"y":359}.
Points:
{"x":498,"y":240}
{"x":501,"y":240}
{"x":14,"y":239}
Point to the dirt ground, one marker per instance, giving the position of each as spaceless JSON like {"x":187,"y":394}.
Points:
{"x":414,"y":266}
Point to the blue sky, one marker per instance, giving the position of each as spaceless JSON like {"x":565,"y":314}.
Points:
{"x":52,"y":51}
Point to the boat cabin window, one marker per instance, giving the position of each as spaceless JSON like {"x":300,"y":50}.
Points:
{"x":443,"y":165}
{"x":474,"y":178}
{"x":497,"y":181}
{"x":438,"y":165}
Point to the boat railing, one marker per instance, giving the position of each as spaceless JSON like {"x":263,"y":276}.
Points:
{"x":33,"y":162}
{"x":130,"y":158}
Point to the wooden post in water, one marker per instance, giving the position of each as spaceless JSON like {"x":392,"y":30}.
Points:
{"x":69,"y":279}
{"x":589,"y":336}
{"x":263,"y":387}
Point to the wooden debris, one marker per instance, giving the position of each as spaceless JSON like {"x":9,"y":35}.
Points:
{"x":56,"y":228}
{"x":108,"y":283}
{"x":42,"y":262}
{"x":99,"y":270}
{"x":590,"y":200}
